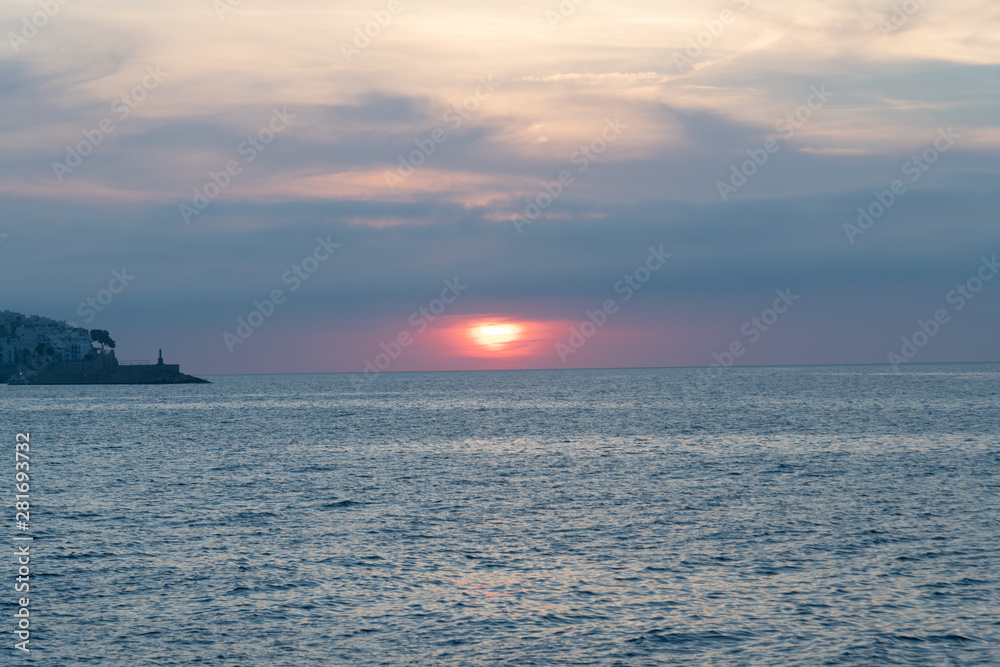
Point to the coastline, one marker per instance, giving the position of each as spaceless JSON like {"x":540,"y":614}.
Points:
{"x":98,"y":371}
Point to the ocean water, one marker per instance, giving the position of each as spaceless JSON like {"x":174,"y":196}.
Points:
{"x":773,"y":516}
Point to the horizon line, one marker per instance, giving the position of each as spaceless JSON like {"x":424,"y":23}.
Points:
{"x":610,"y":368}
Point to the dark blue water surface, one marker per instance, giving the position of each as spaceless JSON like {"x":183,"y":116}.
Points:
{"x":772,"y":516}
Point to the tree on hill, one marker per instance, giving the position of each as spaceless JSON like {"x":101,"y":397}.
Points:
{"x":102,"y":338}
{"x":45,"y":350}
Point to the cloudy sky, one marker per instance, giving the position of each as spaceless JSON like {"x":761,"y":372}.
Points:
{"x":401,"y":152}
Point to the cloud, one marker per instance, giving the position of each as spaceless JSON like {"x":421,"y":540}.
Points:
{"x":687,"y":129}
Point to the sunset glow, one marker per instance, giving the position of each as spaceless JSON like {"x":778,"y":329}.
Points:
{"x":496,"y":336}
{"x":493,"y":340}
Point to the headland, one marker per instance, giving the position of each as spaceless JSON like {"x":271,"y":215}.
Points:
{"x":40,"y":351}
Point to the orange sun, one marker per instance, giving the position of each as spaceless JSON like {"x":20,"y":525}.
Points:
{"x":495,"y":336}
{"x":497,"y":339}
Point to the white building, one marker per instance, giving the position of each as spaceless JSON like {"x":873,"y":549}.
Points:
{"x":20,"y":336}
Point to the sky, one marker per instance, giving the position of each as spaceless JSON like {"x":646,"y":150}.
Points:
{"x":300,"y":186}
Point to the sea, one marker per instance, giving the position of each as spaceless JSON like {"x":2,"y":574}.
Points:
{"x":823,"y":515}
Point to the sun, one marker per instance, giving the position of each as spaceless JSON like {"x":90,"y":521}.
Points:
{"x":495,"y":336}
